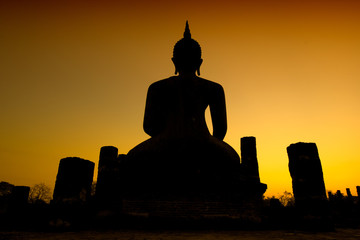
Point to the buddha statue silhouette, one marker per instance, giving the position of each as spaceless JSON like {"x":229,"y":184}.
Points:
{"x":181,"y":154}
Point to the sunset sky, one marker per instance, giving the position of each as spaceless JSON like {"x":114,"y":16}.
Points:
{"x":74,"y":77}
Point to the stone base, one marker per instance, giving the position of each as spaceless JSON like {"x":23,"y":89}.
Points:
{"x":192,"y":209}
{"x":244,"y":206}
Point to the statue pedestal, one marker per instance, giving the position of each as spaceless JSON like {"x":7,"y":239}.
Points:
{"x":241,"y":206}
{"x":190,"y":193}
{"x":187,"y":179}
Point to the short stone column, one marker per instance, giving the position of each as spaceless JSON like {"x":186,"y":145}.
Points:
{"x":339,"y":195}
{"x":307,"y":175}
{"x":19,"y":197}
{"x":73,"y":181}
{"x":249,"y":158}
{"x":331,"y":196}
{"x":348,"y":193}
{"x":108,"y":174}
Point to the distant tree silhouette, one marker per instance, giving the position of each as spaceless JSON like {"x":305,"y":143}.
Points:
{"x":287,"y":199}
{"x":5,"y":189}
{"x":5,"y":195}
{"x":40,"y":193}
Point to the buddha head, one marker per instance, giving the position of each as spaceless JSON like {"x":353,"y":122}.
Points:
{"x":187,"y":54}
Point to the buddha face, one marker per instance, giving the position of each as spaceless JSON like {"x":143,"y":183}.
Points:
{"x":187,"y":65}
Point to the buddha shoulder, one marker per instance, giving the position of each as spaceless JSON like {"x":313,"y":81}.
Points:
{"x":210,"y":85}
{"x":162,"y":83}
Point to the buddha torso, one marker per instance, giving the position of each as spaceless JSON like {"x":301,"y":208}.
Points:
{"x":176,"y":107}
{"x":181,"y":151}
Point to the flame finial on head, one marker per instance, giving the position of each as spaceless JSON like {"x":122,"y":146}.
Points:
{"x":187,"y":34}
{"x":187,"y":47}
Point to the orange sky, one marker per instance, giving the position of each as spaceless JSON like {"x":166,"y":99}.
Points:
{"x":74,"y":76}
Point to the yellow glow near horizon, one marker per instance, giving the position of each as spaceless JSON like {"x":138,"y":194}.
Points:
{"x":74,"y":76}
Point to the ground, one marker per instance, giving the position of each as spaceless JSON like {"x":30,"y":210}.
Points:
{"x":343,"y":234}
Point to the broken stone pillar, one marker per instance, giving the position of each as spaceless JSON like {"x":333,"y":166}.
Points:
{"x":348,"y":192}
{"x":358,"y":191}
{"x":307,"y":175}
{"x":331,"y":196}
{"x":18,"y":203}
{"x":339,"y":198}
{"x":349,"y":199}
{"x":73,"y":181}
{"x":249,"y":157}
{"x":339,"y":195}
{"x":107,"y":186}
{"x":20,"y":195}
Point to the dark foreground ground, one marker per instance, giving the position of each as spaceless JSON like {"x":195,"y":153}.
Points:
{"x":341,"y":234}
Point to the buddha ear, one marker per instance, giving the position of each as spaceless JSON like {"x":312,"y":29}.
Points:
{"x":198,"y":69}
{"x":176,"y":70}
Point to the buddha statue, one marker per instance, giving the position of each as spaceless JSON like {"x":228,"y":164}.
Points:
{"x":181,"y":154}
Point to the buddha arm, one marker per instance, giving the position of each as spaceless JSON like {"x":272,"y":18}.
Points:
{"x":151,"y":117}
{"x":218,"y":113}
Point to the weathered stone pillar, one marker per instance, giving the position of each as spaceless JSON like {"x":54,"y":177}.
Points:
{"x":331,"y":196}
{"x":307,"y":175}
{"x":349,"y":198}
{"x":249,"y":157}
{"x":107,"y":186}
{"x":17,"y":208}
{"x":348,"y":192}
{"x":20,"y":195}
{"x":73,"y":181}
{"x":339,"y":195}
{"x":358,"y":191}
